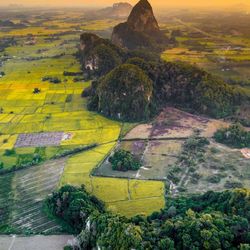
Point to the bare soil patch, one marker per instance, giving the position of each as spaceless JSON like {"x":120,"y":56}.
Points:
{"x":174,"y":123}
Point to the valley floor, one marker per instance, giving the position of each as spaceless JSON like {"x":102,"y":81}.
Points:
{"x":46,"y":49}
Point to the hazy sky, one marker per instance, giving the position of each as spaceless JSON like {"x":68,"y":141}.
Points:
{"x":109,"y":2}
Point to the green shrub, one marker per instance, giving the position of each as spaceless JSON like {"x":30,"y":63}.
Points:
{"x":36,"y":91}
{"x":25,"y":160}
{"x":196,"y":143}
{"x":68,"y":248}
{"x":214,"y":150}
{"x":51,"y":79}
{"x":233,"y":184}
{"x":9,"y":152}
{"x":214,"y":179}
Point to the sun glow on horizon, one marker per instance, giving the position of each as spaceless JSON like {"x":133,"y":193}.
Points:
{"x":156,"y":3}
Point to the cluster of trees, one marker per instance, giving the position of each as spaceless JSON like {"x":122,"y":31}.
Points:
{"x":69,"y":73}
{"x":123,"y":160}
{"x":51,"y":79}
{"x":6,"y":42}
{"x":36,"y":91}
{"x":234,"y":136}
{"x":74,"y":206}
{"x":209,"y":221}
{"x":191,"y":157}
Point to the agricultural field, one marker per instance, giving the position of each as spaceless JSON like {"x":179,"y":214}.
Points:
{"x":155,"y":156}
{"x":32,"y":64}
{"x":159,"y":146}
{"x":223,"y":168}
{"x":42,"y":115}
{"x":173,"y":123}
{"x":212,"y":41}
{"x":122,"y":195}
{"x":21,"y":198}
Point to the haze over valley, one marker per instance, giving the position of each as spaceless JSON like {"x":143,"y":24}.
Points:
{"x":124,"y":125}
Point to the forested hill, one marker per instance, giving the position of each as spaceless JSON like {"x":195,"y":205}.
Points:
{"x":209,"y":221}
{"x":175,"y":84}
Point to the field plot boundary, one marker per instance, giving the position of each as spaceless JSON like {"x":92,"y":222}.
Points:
{"x":113,"y":191}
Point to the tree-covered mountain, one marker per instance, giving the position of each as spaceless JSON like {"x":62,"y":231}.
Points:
{"x":98,"y":56}
{"x":116,"y":93}
{"x":141,"y":29}
{"x":124,"y":93}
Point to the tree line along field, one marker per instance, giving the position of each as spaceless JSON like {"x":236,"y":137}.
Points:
{"x":58,"y":107}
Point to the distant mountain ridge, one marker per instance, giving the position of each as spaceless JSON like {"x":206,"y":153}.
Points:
{"x":118,"y":10}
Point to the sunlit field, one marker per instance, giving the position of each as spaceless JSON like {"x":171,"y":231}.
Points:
{"x":30,"y":103}
{"x":213,"y":43}
{"x":41,"y":83}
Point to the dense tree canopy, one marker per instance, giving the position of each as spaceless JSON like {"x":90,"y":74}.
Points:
{"x":209,"y":221}
{"x":98,"y":56}
{"x":107,"y":58}
{"x":123,"y":160}
{"x":73,"y":205}
{"x":124,"y":93}
{"x":116,"y":94}
{"x":187,"y":86}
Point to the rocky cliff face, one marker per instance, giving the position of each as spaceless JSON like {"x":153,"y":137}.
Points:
{"x":98,"y":55}
{"x":142,"y":19}
{"x":87,"y":43}
{"x":141,"y":29}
